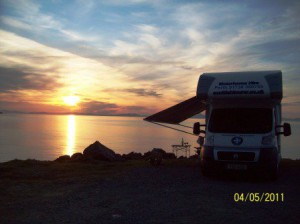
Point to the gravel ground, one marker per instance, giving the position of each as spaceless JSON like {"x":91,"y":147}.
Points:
{"x":143,"y":194}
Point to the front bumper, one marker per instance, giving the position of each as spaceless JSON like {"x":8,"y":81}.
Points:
{"x":267,"y":160}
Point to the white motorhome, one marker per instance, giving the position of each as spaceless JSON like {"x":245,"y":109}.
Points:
{"x":242,"y":120}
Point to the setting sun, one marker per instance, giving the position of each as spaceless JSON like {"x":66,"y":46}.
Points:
{"x":71,"y":100}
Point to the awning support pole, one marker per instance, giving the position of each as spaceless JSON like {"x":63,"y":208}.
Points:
{"x":166,"y":126}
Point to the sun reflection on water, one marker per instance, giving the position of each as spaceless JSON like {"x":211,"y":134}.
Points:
{"x":71,"y":135}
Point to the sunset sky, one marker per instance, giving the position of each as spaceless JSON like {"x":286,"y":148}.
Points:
{"x":136,"y":56}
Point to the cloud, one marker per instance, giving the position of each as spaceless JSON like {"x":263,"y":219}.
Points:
{"x":284,"y":50}
{"x":86,"y":6}
{"x":29,"y":12}
{"x":33,"y":21}
{"x":69,"y":69}
{"x":13,"y":22}
{"x":16,"y":79}
{"x":98,"y":107}
{"x":121,"y":2}
{"x":29,"y":107}
{"x":105,"y":108}
{"x":136,"y":110}
{"x":89,"y":107}
{"x":142,"y":92}
{"x":168,"y":47}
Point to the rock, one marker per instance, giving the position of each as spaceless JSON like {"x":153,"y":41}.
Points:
{"x":98,"y":151}
{"x":163,"y":153}
{"x":133,"y":156}
{"x":119,"y":157}
{"x":77,"y":157}
{"x":154,"y":150}
{"x":158,"y":150}
{"x":63,"y":159}
{"x":196,"y":156}
{"x":147,"y":155}
{"x":155,"y":156}
{"x":169,"y":155}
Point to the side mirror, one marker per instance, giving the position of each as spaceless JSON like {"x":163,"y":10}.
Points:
{"x":196,"y":128}
{"x":287,"y":129}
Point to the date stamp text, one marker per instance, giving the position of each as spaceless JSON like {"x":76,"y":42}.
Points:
{"x":258,"y":197}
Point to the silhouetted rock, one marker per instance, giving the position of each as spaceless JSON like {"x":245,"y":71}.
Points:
{"x":77,"y":157}
{"x":98,"y":151}
{"x":194,"y":156}
{"x":147,"y":155}
{"x":169,"y":155}
{"x":119,"y":157}
{"x":63,"y":159}
{"x":132,"y":156}
{"x":155,"y":156}
{"x":163,"y":154}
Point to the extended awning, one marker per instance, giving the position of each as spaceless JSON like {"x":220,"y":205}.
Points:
{"x":178,"y":112}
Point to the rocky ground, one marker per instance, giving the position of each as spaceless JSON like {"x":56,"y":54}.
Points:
{"x":136,"y":192}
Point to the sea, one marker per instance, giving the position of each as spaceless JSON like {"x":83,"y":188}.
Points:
{"x":46,"y":137}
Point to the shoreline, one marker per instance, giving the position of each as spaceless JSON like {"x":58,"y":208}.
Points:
{"x":283,"y":160}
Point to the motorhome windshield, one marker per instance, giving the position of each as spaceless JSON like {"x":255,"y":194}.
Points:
{"x":241,"y":120}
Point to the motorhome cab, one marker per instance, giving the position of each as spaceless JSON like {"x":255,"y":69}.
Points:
{"x":243,"y":121}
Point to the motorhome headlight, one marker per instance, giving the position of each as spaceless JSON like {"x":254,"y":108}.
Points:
{"x":268,"y":140}
{"x":211,"y":140}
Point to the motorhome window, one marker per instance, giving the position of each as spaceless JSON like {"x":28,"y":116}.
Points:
{"x":241,"y":120}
